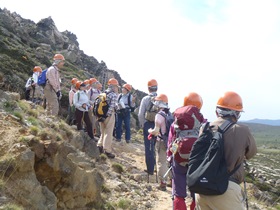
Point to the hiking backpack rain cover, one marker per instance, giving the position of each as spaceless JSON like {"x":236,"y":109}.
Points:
{"x":207,"y":172}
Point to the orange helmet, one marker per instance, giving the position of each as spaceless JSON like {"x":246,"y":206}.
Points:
{"x":58,"y":57}
{"x":92,"y":80}
{"x":193,"y":99}
{"x":113,"y":81}
{"x":152,"y":82}
{"x":86,"y":82}
{"x":74,"y":80}
{"x":161,"y":97}
{"x":37,"y":69}
{"x":78,"y":84}
{"x":128,"y":87}
{"x":230,"y":100}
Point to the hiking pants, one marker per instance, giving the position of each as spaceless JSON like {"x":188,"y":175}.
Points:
{"x":179,"y":182}
{"x":83,"y":116}
{"x":149,"y":147}
{"x":106,"y":129}
{"x":232,"y":199}
{"x":161,"y":160}
{"x":123,"y":117}
{"x":52,"y":100}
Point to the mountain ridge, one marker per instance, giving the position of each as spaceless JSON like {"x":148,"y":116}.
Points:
{"x":262,"y":121}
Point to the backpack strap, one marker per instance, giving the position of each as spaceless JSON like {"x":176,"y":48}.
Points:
{"x":223,"y":128}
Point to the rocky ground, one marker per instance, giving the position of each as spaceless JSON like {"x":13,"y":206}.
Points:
{"x":125,"y":182}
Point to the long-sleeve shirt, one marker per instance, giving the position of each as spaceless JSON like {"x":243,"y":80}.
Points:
{"x":123,"y":98}
{"x":92,"y":94}
{"x":143,"y":107}
{"x":113,"y":100}
{"x":53,"y":76}
{"x":80,"y":98}
{"x":239,"y":144}
{"x":71,"y":95}
{"x":160,"y":126}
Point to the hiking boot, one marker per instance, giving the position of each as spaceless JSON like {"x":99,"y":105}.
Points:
{"x":162,"y":186}
{"x":169,"y":183}
{"x":110,"y":155}
{"x":127,"y":141}
{"x":100,"y":149}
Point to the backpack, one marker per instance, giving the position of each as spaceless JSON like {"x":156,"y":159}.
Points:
{"x":187,"y":122}
{"x":207,"y":172}
{"x":169,"y":119}
{"x":129,"y":102}
{"x":101,"y":105}
{"x":151,"y":111}
{"x":42,"y":78}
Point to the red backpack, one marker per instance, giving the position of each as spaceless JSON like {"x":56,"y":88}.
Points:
{"x":187,"y":122}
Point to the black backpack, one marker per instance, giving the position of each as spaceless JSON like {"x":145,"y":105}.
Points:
{"x":207,"y":169}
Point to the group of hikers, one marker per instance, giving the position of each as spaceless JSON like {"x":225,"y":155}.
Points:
{"x":166,"y":152}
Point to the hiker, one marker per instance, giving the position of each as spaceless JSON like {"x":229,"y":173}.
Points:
{"x":239,"y":144}
{"x":52,"y":90}
{"x":37,"y":90}
{"x":28,"y":86}
{"x":161,"y":101}
{"x":179,"y":171}
{"x":92,"y":93}
{"x":126,"y":102}
{"x":81,"y":102}
{"x":107,"y":123}
{"x":146,"y":124}
{"x":97,"y":125}
{"x":32,"y":88}
{"x":71,"y":109}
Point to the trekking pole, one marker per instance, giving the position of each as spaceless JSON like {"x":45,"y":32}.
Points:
{"x":245,"y":190}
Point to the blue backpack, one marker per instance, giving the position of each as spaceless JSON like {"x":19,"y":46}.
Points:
{"x":169,"y":119}
{"x":42,"y":79}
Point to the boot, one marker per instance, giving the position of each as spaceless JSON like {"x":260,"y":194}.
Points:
{"x":179,"y":203}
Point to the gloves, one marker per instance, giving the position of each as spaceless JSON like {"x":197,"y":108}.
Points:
{"x":58,"y":94}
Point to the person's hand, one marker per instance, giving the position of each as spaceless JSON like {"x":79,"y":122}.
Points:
{"x":84,"y":106}
{"x":101,"y":119}
{"x":150,"y":130}
{"x":58,"y":94}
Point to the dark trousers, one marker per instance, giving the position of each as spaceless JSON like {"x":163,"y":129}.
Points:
{"x":179,"y":181}
{"x":123,"y":117}
{"x":149,"y":147}
{"x":83,"y":117}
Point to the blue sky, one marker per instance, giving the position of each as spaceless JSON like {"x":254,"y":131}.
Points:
{"x":206,"y":46}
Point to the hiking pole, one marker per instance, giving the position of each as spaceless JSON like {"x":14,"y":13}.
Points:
{"x":245,"y":190}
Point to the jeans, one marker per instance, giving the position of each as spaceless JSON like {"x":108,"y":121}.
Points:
{"x":149,"y":147}
{"x":123,"y":116}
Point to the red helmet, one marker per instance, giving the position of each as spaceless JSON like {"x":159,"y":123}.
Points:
{"x":193,"y":99}
{"x":92,"y":80}
{"x":58,"y":57}
{"x":128,"y":87}
{"x":78,"y":84}
{"x":113,"y":81}
{"x":152,"y":82}
{"x":74,"y":80}
{"x":37,"y":69}
{"x":162,"y":97}
{"x":230,"y":100}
